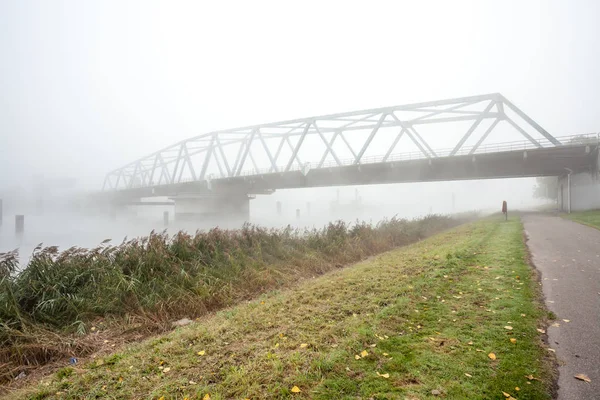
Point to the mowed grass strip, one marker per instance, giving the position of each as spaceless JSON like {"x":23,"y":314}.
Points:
{"x":414,"y":323}
{"x":590,"y":218}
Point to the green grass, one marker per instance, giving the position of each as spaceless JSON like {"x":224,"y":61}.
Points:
{"x":49,"y":309}
{"x":427,"y":315}
{"x":590,"y":218}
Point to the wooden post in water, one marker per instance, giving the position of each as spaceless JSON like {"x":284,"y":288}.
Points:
{"x":19,"y":224}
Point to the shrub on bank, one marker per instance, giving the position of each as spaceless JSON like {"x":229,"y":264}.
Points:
{"x":47,"y":309}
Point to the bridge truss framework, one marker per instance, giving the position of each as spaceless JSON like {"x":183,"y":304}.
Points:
{"x":229,"y":151}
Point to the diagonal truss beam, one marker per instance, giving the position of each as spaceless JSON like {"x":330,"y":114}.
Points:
{"x":224,"y":153}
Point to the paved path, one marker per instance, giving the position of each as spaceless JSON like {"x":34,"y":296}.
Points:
{"x":568,"y":256}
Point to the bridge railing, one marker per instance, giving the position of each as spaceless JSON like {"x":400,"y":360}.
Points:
{"x":520,"y":145}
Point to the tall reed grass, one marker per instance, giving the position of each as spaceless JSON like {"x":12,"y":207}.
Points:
{"x":48,"y":308}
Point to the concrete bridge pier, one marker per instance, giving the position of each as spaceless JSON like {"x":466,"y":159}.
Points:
{"x":218,"y":210}
{"x":580,"y":191}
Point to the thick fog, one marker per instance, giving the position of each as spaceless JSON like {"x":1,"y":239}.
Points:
{"x":86,"y":87}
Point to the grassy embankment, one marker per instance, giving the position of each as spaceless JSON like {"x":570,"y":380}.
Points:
{"x":590,"y":218}
{"x":136,"y":289}
{"x":457,"y":313}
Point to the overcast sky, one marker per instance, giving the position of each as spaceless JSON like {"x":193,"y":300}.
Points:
{"x":86,"y":86}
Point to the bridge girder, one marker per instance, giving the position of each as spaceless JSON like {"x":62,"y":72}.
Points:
{"x":229,"y":151}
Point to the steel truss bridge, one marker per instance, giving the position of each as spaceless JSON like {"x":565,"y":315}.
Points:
{"x":337,"y":149}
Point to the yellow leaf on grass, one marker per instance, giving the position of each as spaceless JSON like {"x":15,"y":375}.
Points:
{"x":296,"y":389}
{"x":583,"y":377}
{"x":383,"y":375}
{"x":513,"y":340}
{"x":201,"y":352}
{"x":469,"y":375}
{"x":517,"y":389}
{"x":508,"y":327}
{"x":470,"y":343}
{"x":357,"y":357}
{"x":506,"y":394}
{"x":303,"y":345}
{"x":492,"y":356}
{"x":206,"y":397}
{"x":385,"y":354}
{"x":166,"y":370}
{"x":364,"y":353}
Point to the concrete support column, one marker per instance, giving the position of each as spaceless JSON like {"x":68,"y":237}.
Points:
{"x":569,"y":193}
{"x":19,"y":224}
{"x":226,"y":209}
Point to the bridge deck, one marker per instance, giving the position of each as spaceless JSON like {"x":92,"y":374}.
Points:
{"x":535,"y":162}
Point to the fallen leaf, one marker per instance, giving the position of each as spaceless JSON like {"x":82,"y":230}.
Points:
{"x":470,"y":343}
{"x":383,"y":375}
{"x":522,"y":315}
{"x":583,"y":377}
{"x":166,"y":370}
{"x":201,"y":352}
{"x":373,"y":345}
{"x":541,"y":330}
{"x":357,"y":357}
{"x":385,"y":354}
{"x":469,"y":375}
{"x":192,"y":383}
{"x":513,"y":340}
{"x":303,"y":345}
{"x":492,"y":356}
{"x":506,"y":394}
{"x":567,"y":320}
{"x":296,"y":389}
{"x":364,"y":353}
{"x":206,"y":397}
{"x":552,"y":350}
{"x":517,"y":389}
{"x":508,"y":327}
